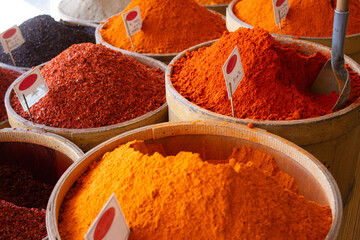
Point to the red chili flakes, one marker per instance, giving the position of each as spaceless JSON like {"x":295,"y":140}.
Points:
{"x":7,"y":76}
{"x":93,"y":86}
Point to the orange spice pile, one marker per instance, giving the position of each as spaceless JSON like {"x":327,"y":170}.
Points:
{"x":168,"y":26}
{"x":184,"y":197}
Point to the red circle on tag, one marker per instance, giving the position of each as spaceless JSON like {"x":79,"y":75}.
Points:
{"x":279,"y":2}
{"x":28,"y":82}
{"x":104,"y":224}
{"x":9,"y":33}
{"x":131,"y":16}
{"x":231,"y":64}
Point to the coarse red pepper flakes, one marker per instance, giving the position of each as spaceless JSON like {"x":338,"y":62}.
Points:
{"x":7,"y":76}
{"x":93,"y":86}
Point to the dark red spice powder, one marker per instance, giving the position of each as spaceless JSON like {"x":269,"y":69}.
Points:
{"x":7,"y":76}
{"x":94,"y":86}
{"x":277,"y":79}
{"x":20,"y":222}
{"x":23,"y":200}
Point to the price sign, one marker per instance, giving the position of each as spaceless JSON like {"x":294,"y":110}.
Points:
{"x":281,"y":9}
{"x":32,"y":87}
{"x":11,"y":39}
{"x":233,"y":72}
{"x":132,"y":20}
{"x":110,"y":223}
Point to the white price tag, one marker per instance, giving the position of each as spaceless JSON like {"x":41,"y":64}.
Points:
{"x":110,"y":223}
{"x":33,"y":86}
{"x":281,"y":9}
{"x":233,"y":72}
{"x":11,"y":39}
{"x":132,"y":21}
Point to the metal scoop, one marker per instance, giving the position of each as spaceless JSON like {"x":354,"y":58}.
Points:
{"x":334,"y":76}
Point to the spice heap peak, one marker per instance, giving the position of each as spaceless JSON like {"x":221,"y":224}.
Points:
{"x":93,"y":86}
{"x":277,"y":78}
{"x":184,"y":197}
{"x":168,"y":26}
{"x":307,"y":18}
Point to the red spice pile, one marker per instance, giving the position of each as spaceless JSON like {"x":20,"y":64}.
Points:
{"x":93,"y":86}
{"x":23,"y":201}
{"x":277,"y":79}
{"x":7,"y":76}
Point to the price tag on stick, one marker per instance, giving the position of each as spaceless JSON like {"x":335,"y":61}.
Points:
{"x":11,"y":39}
{"x":30,"y":89}
{"x":110,"y":223}
{"x":133,"y":23}
{"x":281,"y":9}
{"x":233,"y":74}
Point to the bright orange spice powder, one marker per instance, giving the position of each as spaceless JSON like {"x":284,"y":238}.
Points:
{"x":184,"y":197}
{"x":168,"y":26}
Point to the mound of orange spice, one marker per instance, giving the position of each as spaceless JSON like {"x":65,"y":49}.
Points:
{"x":184,"y":197}
{"x":212,"y":2}
{"x":310,"y":18}
{"x":168,"y":26}
{"x":277,"y":78}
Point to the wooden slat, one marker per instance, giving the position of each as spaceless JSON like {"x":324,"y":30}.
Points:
{"x":350,"y":228}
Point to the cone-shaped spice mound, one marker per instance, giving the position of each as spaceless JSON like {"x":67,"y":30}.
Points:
{"x":184,"y":197}
{"x":168,"y":26}
{"x":277,"y":79}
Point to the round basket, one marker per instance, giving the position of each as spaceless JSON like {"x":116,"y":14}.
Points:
{"x":333,"y":138}
{"x":88,"y":138}
{"x":352,"y":42}
{"x":45,"y":155}
{"x":213,"y":140}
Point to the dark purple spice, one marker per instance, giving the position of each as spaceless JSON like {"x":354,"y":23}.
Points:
{"x":44,"y":39}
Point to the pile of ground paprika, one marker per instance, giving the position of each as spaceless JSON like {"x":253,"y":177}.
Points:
{"x":310,"y":18}
{"x":168,"y":26}
{"x":277,"y":80}
{"x":184,"y":197}
{"x":92,"y":86}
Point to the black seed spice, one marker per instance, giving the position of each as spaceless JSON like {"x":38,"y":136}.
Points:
{"x":44,"y":39}
{"x":23,"y":201}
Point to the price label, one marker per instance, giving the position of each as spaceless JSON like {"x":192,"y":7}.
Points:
{"x":110,"y":223}
{"x":132,"y":20}
{"x":233,"y":72}
{"x":281,"y":9}
{"x":11,"y":39}
{"x":32,"y":86}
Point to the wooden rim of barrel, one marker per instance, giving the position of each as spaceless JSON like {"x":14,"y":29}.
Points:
{"x":164,"y":57}
{"x":352,"y":110}
{"x":299,"y":158}
{"x":42,"y":138}
{"x":14,"y":117}
{"x":233,"y":23}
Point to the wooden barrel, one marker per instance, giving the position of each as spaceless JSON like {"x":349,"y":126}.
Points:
{"x":334,"y":139}
{"x":352,"y":42}
{"x":213,"y":140}
{"x":45,"y":155}
{"x":90,"y":137}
